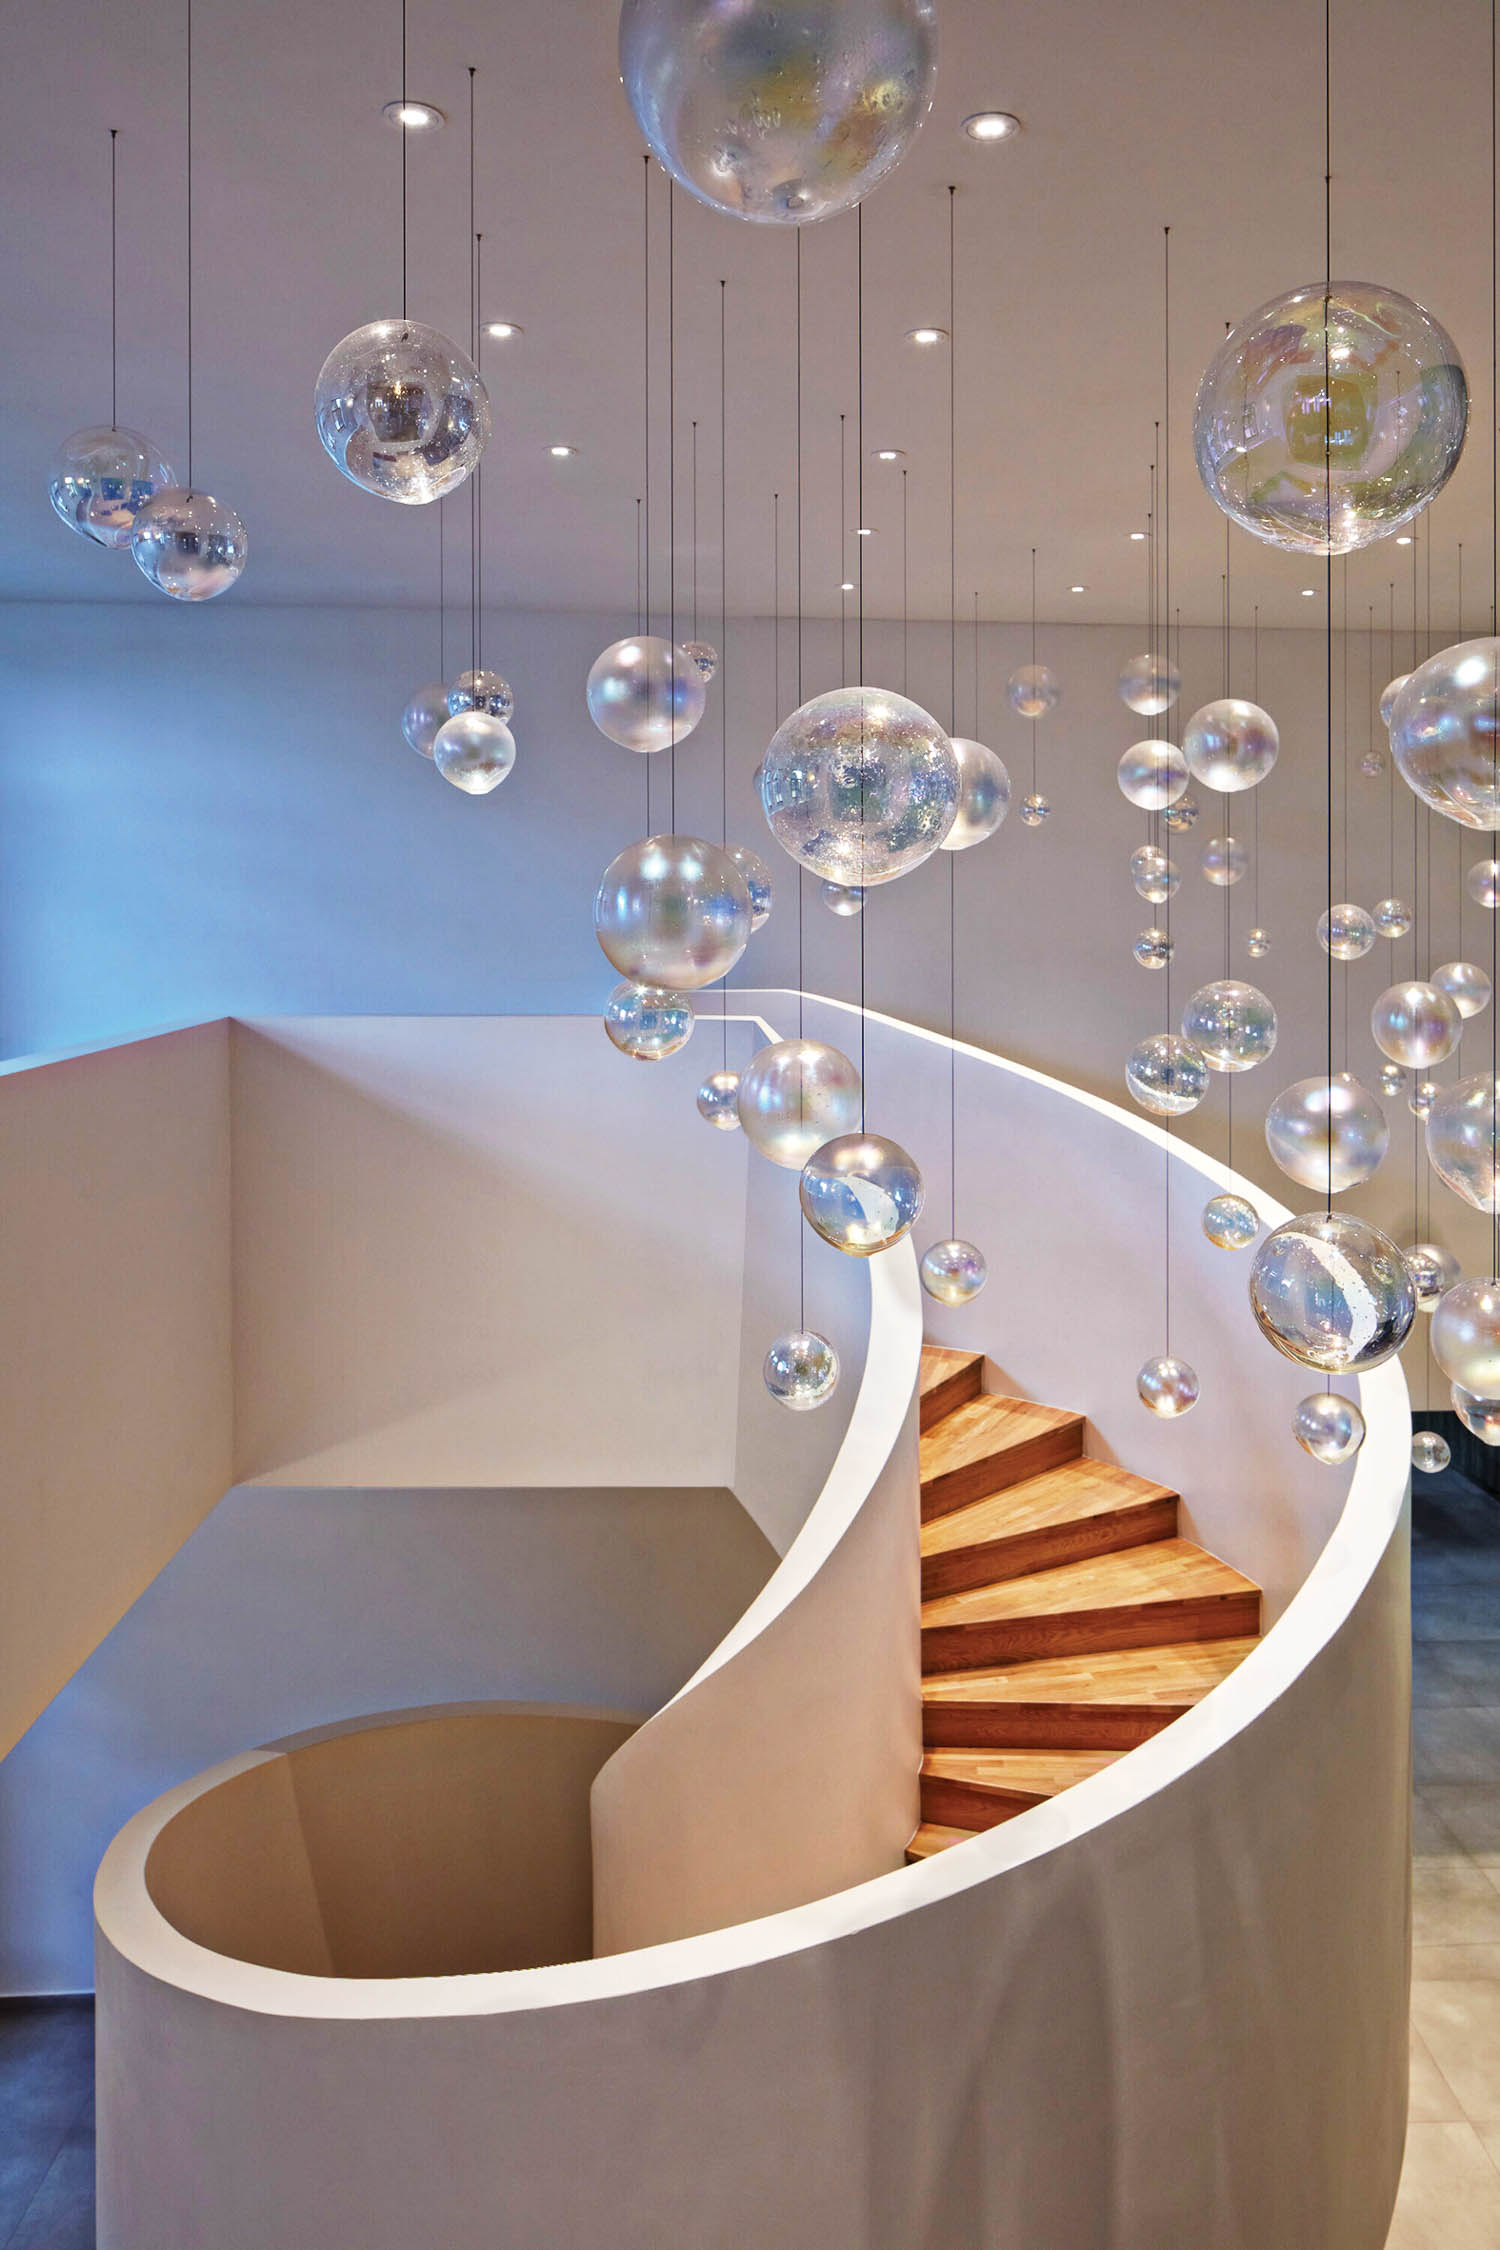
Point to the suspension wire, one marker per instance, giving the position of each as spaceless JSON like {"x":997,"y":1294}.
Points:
{"x":441,"y":512}
{"x":1164,"y":455}
{"x":672,"y":487}
{"x":114,"y":293}
{"x":977,"y":735}
{"x":639,"y":622}
{"x":801,"y":872}
{"x":1328,"y":525}
{"x":404,"y":134}
{"x":479,"y":470}
{"x":474,"y":347}
{"x":1255,"y":793}
{"x":646,"y":421}
{"x":859,"y":371}
{"x":905,"y":584}
{"x":1390,"y":771}
{"x":695,"y":527}
{"x":190,"y":244}
{"x":1494,"y":580}
{"x":844,"y":565}
{"x":1034,"y":791}
{"x":723,"y":628}
{"x":953,"y":709}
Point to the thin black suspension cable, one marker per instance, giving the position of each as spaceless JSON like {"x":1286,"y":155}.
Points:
{"x":1255,"y":793}
{"x":694,"y":514}
{"x":114,"y":294}
{"x":1328,"y":528}
{"x":1494,"y":579}
{"x":474,"y":348}
{"x":801,"y":871}
{"x":859,"y":479}
{"x":723,"y":625}
{"x":844,"y":559}
{"x":952,"y":705}
{"x":190,"y":244}
{"x":1165,"y":457}
{"x":404,"y":135}
{"x":905,"y":585}
{"x":646,"y":419}
{"x":639,"y":626}
{"x":479,"y":467}
{"x":672,"y":659}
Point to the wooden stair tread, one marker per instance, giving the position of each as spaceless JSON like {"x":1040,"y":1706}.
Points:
{"x":1173,"y":1677}
{"x":1063,"y":1495}
{"x":948,"y":1380}
{"x":988,"y":1425}
{"x":939,"y":1364}
{"x":1030,"y":1773}
{"x":1165,"y":1571}
{"x":932,"y":1838}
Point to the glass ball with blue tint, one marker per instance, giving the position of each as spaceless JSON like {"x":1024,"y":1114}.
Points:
{"x":644,"y":693}
{"x":860,"y":785}
{"x":102,"y":478}
{"x":647,"y":1022}
{"x":861,"y":1192}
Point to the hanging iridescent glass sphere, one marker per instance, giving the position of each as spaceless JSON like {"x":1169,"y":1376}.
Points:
{"x":1232,"y":1025}
{"x":843,"y":899}
{"x":1327,"y":1133}
{"x":1433,"y":1272}
{"x":1392,"y":1079}
{"x":1230,"y":745}
{"x":1154,"y":875}
{"x":757,"y":878}
{"x":1372,"y":764}
{"x":1479,"y":1416}
{"x":1035,"y":810}
{"x":795,"y":1095}
{"x":1168,"y":1387}
{"x":1230,"y":1222}
{"x":953,"y":1272}
{"x":1430,"y":1452}
{"x":1445,"y":733}
{"x":189,"y":544}
{"x":482,"y":690}
{"x":1331,"y":1291}
{"x":1257,"y":944}
{"x":1153,"y":948}
{"x":646,"y":1022}
{"x":644,"y":693}
{"x":1149,"y":685}
{"x":102,"y":478}
{"x":1483,"y":880}
{"x":424,"y":714}
{"x":474,"y":752}
{"x":1166,"y":1075}
{"x":1224,"y":861}
{"x":1152,"y":775}
{"x":1330,"y":1428}
{"x":1388,"y":695}
{"x":983,"y":794}
{"x":672,"y":910}
{"x":1463,"y":1139}
{"x":1182,"y":814}
{"x":1466,"y":1335}
{"x":801,"y":1370}
{"x":1422,"y":1096}
{"x":1392,"y":917}
{"x":402,"y":411}
{"x":1346,"y":931}
{"x":1032,"y":691}
{"x":1415,"y":1025}
{"x":1466,"y":984}
{"x":860,"y":785}
{"x":704,"y":655}
{"x":861,"y":1192}
{"x":719,"y":1100}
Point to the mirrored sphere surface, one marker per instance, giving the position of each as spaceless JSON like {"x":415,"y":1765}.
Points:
{"x":1330,"y":1428}
{"x":757,"y":880}
{"x":1466,"y":984}
{"x":1257,"y":944}
{"x":1232,"y":1024}
{"x":1346,"y":931}
{"x":1230,"y":745}
{"x":1483,"y":881}
{"x":861,"y":1192}
{"x":843,"y":899}
{"x":189,"y":544}
{"x":719,"y":1100}
{"x":983,"y":794}
{"x":1463,"y":1140}
{"x":1152,"y":774}
{"x":1034,"y":810}
{"x":801,"y":1370}
{"x":779,"y":114}
{"x":1388,"y":695}
{"x":953,"y":1272}
{"x":1422,"y":1096}
{"x":795,"y":1095}
{"x":474,"y":752}
{"x":1153,"y":948}
{"x":1430,"y":1452}
{"x":1166,"y":1075}
{"x":646,"y":1022}
{"x":1224,"y":860}
{"x":402,"y":410}
{"x":644,"y":693}
{"x":1415,"y":1025}
{"x":482,"y":690}
{"x":672,"y":910}
{"x":102,"y":478}
{"x":1182,"y":814}
{"x":860,"y":785}
{"x":1032,"y":691}
{"x":423,"y":715}
{"x":1445,"y":733}
{"x":1321,"y":431}
{"x":704,"y":655}
{"x":1433,"y":1272}
{"x":1169,"y":1387}
{"x":1327,"y":1134}
{"x":1479,"y":1416}
{"x":1392,"y":917}
{"x":1154,"y":875}
{"x":1149,"y":685}
{"x":1229,"y":1222}
{"x":1332,"y":1292}
{"x":1466,"y":1335}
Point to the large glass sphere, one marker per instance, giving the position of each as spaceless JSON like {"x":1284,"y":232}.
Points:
{"x":1168,"y":1387}
{"x":671,"y":910}
{"x":860,"y":785}
{"x":704,"y":655}
{"x":779,"y":113}
{"x":719,"y":1100}
{"x":474,"y":752}
{"x":189,"y":544}
{"x":1154,"y":875}
{"x":1330,"y":1428}
{"x":844,"y":899}
{"x":1257,"y":944}
{"x":1466,"y":984}
{"x":1035,"y":810}
{"x":646,"y":1022}
{"x":801,"y":1370}
{"x":796,"y":1095}
{"x":1232,"y":1025}
{"x":757,"y":880}
{"x":481,"y":691}
{"x":1415,"y":1025}
{"x":1332,"y":1292}
{"x":424,"y":714}
{"x":1032,"y":691}
{"x":1483,"y":880}
{"x":1322,"y":430}
{"x":1149,"y":685}
{"x":1479,"y":1416}
{"x":1152,"y":774}
{"x":1445,"y":734}
{"x":1463,"y":1141}
{"x":644,"y":693}
{"x":1230,"y":745}
{"x":1346,"y":931}
{"x":1224,"y":860}
{"x":861,"y":1192}
{"x":1326,"y":1133}
{"x":953,"y":1273}
{"x":1430,"y":1452}
{"x":1167,"y":1075}
{"x":1182,"y":814}
{"x":1466,"y":1336}
{"x":1433,"y":1272}
{"x":1392,"y":917}
{"x":402,"y":410}
{"x":1153,"y":948}
{"x":1229,"y":1222}
{"x":101,"y":479}
{"x":1388,"y":695}
{"x":983,"y":794}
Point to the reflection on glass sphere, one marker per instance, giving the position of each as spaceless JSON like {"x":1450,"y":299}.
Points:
{"x":1232,"y":1025}
{"x":423,"y":715}
{"x":474,"y":752}
{"x":402,"y":410}
{"x":1346,"y":931}
{"x":1182,"y":814}
{"x":1392,"y":917}
{"x":1422,"y":1097}
{"x":953,"y":1273}
{"x":1152,"y":775}
{"x":1392,"y":1079}
{"x":719,"y":1100}
{"x":481,"y":691}
{"x":1153,"y":948}
{"x":704,"y":655}
{"x":1321,"y":431}
{"x":189,"y":544}
{"x":1034,"y":810}
{"x":983,"y":794}
{"x":1230,"y":1222}
{"x":1154,"y":875}
{"x":1330,"y":1428}
{"x":102,"y":478}
{"x":1167,"y":1075}
{"x":1483,"y":880}
{"x":779,"y":114}
{"x":1466,"y":985}
{"x":757,"y":880}
{"x":1479,"y":1416}
{"x":1332,"y":1292}
{"x":861,"y":1192}
{"x":1032,"y":691}
{"x":1257,"y":944}
{"x":1415,"y":1025}
{"x":1388,"y":695}
{"x":647,"y":1022}
{"x":1168,"y":1387}
{"x":645,"y":694}
{"x":1372,"y":764}
{"x":1430,"y":1452}
{"x":795,"y":1095}
{"x":672,"y":910}
{"x":801,"y":1370}
{"x":843,"y":899}
{"x":1149,"y":685}
{"x":1463,"y":1143}
{"x":860,"y":785}
{"x":1230,"y":745}
{"x":1466,"y":1336}
{"x":1433,"y":1272}
{"x":1327,"y":1134}
{"x":1224,"y":861}
{"x":1445,"y":733}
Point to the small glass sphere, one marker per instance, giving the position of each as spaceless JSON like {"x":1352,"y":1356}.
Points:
{"x":861,"y":1192}
{"x":1149,"y":685}
{"x":1224,"y":861}
{"x":1332,"y":1292}
{"x":672,"y":910}
{"x":1445,"y":733}
{"x":474,"y":752}
{"x":402,"y":411}
{"x":1182,"y":814}
{"x":1232,"y":1025}
{"x":481,"y":691}
{"x":1392,"y":917}
{"x":779,"y":115}
{"x":1392,"y":1079}
{"x":795,"y":1095}
{"x":1229,"y":1222}
{"x":647,"y":1022}
{"x":1328,"y":1134}
{"x":1032,"y":691}
{"x":953,"y":1273}
{"x":1034,"y":810}
{"x":1154,"y":875}
{"x":1372,"y":764}
{"x":189,"y":544}
{"x":983,"y":794}
{"x":1422,"y":1096}
{"x":719,"y":1100}
{"x":423,"y":715}
{"x":102,"y":478}
{"x":1329,"y":418}
{"x":1346,"y":931}
{"x":1463,"y":1142}
{"x":1466,"y":1335}
{"x":1483,"y":880}
{"x":1330,"y":1428}
{"x":1230,"y":745}
{"x":1153,"y":949}
{"x":1388,"y":695}
{"x":1166,"y":1075}
{"x":1430,"y":1452}
{"x":860,"y":785}
{"x":1479,"y":1416}
{"x":1415,"y":1025}
{"x":1433,"y":1272}
{"x":1257,"y":944}
{"x":801,"y":1370}
{"x":645,"y":694}
{"x":1466,"y":984}
{"x":843,"y":899}
{"x":1152,"y":775}
{"x":1168,"y":1387}
{"x":704,"y":655}
{"x":757,"y":879}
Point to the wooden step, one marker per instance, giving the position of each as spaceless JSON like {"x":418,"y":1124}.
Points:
{"x":949,"y":1379}
{"x":990,"y":1443}
{"x":1142,"y":1597}
{"x":930,"y":1839}
{"x":1111,"y":1701}
{"x":980,"y":1788}
{"x":1083,"y":1508}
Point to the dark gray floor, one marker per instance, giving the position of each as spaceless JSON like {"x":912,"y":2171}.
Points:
{"x":47,"y":2126}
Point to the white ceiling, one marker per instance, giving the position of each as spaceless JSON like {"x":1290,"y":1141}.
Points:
{"x":1205,"y":116}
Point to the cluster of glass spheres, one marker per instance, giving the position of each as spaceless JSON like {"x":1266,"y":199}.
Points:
{"x":114,"y":488}
{"x":464,"y":729}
